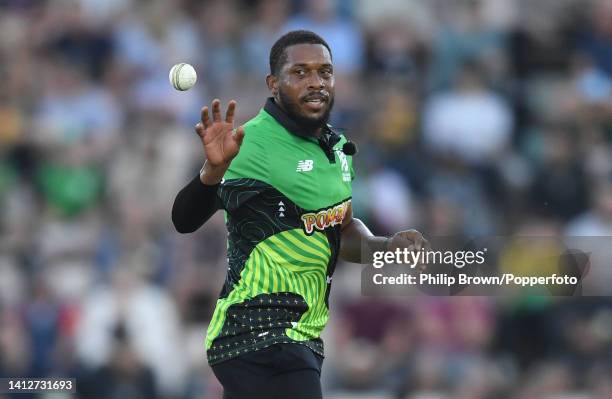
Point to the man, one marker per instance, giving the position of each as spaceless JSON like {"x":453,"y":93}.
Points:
{"x":284,"y":181}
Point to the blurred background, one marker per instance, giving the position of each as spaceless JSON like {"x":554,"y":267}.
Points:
{"x":490,"y":117}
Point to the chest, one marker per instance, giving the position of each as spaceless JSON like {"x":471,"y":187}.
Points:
{"x":305,"y":174}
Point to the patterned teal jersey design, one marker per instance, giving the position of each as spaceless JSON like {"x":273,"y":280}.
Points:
{"x":285,"y":197}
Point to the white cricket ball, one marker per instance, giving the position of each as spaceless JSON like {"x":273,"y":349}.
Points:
{"x":182,"y":76}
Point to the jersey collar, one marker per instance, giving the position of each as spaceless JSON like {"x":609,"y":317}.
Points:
{"x":327,"y":140}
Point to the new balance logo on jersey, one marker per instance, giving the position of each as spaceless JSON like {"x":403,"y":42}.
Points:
{"x":305,"y":166}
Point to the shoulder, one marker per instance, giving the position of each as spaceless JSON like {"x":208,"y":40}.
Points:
{"x":252,"y":159}
{"x":341,"y":142}
{"x":261,"y":125}
{"x":346,"y":161}
{"x":256,"y":133}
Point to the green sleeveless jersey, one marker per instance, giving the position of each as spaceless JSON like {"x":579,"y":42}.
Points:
{"x":285,"y":197}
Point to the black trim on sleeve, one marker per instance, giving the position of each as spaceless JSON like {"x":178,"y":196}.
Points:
{"x":194,"y":205}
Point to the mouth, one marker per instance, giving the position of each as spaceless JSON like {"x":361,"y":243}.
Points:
{"x":315,"y":102}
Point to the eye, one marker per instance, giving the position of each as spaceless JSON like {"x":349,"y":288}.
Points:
{"x":300,"y":72}
{"x":327,"y":73}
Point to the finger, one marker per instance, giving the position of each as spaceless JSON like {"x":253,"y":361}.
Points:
{"x":239,"y":135}
{"x":418,"y":243}
{"x":229,"y":115}
{"x":204,"y":117}
{"x":406,"y":242}
{"x":199,"y":129}
{"x":416,"y":238}
{"x":216,"y":110}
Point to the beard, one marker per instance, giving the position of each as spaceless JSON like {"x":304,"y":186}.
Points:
{"x":294,"y":111}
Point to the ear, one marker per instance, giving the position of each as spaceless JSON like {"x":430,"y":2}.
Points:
{"x":272,"y":82}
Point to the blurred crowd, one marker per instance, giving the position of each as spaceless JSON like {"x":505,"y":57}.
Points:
{"x":473,"y":117}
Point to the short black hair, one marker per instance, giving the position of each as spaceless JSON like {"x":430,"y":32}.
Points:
{"x":278,"y":55}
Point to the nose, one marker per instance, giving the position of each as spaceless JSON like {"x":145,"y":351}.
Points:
{"x":316,"y":82}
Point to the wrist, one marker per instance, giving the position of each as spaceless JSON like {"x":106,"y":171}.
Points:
{"x":211,"y":175}
{"x":378,"y":243}
{"x":387,"y":243}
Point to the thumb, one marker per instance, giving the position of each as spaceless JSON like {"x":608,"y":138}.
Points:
{"x":239,"y":135}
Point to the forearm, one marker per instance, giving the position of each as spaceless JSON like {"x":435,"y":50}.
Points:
{"x":194,"y":205}
{"x":358,"y":243}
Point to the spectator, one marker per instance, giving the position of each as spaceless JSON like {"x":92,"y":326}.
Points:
{"x":596,"y":40}
{"x":343,"y":35}
{"x":123,"y":376}
{"x":140,"y":306}
{"x":470,"y":121}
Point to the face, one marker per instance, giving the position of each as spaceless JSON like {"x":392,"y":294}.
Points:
{"x":304,"y":87}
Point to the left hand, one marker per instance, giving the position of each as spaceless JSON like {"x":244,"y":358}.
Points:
{"x":413,"y":240}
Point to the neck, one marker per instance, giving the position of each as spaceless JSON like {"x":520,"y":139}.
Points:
{"x":305,"y":129}
{"x":317,"y":132}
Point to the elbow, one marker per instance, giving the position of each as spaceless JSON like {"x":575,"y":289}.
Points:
{"x":181,"y":223}
{"x":185,"y":222}
{"x":190,"y":211}
{"x":183,"y":229}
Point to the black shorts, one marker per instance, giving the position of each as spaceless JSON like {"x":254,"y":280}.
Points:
{"x":279,"y":371}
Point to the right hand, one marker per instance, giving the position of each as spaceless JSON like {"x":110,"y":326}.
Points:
{"x":220,"y":141}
